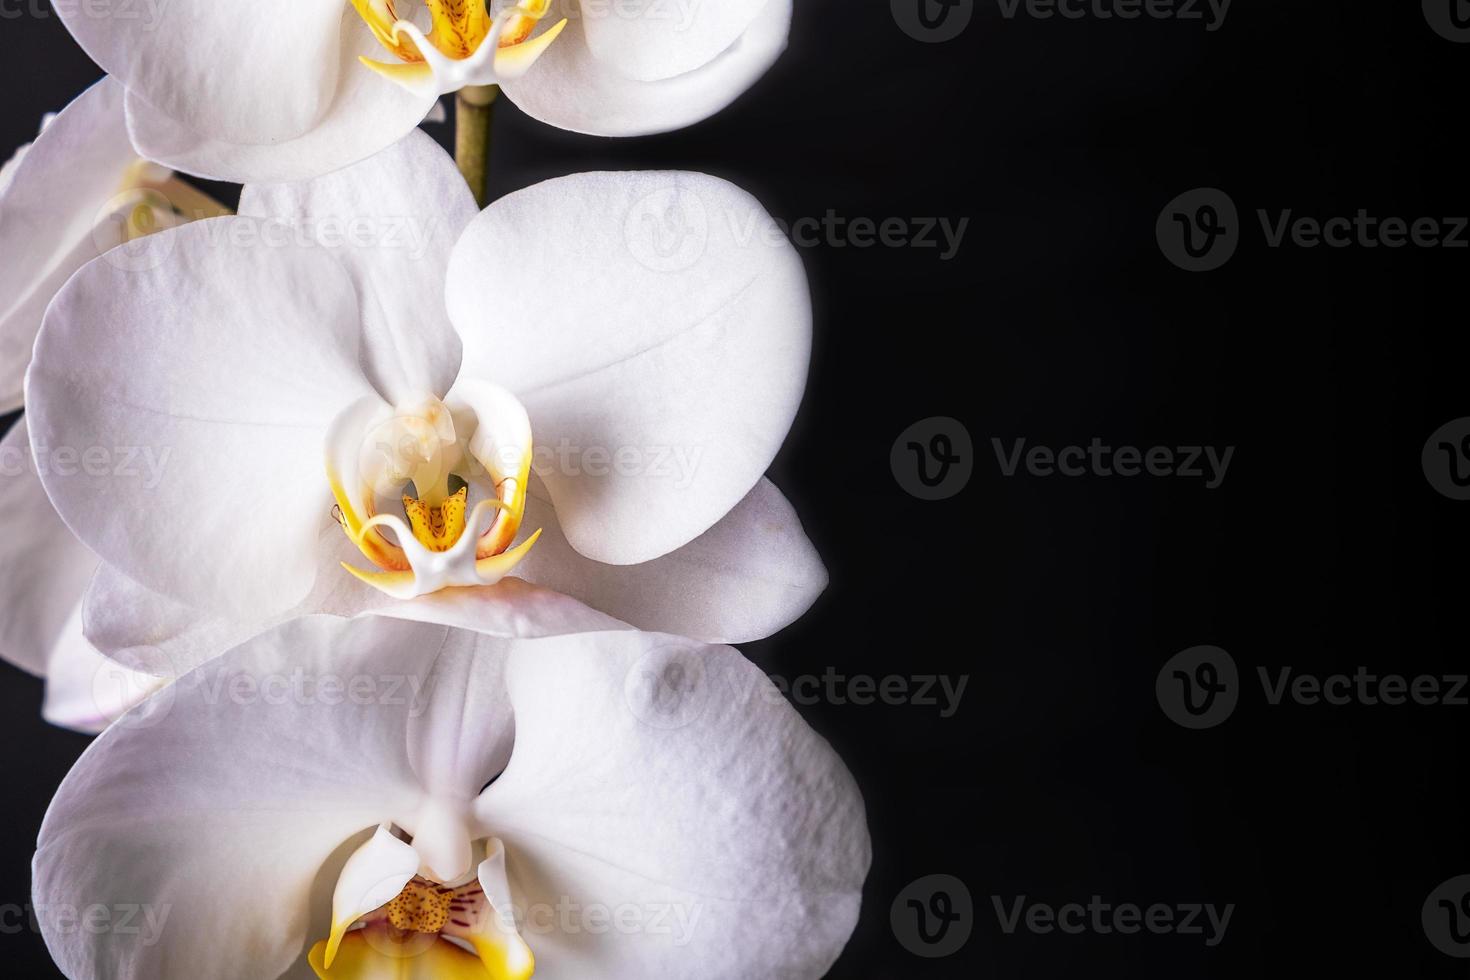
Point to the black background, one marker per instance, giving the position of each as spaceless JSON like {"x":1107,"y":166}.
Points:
{"x":1059,"y":777}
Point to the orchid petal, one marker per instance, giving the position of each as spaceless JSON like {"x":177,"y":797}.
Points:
{"x":595,"y":80}
{"x":44,"y":569}
{"x":650,"y":40}
{"x":154,"y":634}
{"x":44,"y":573}
{"x":219,"y":365}
{"x":653,"y":772}
{"x":54,"y":207}
{"x":86,"y":691}
{"x":365,"y":114}
{"x":245,"y":777}
{"x":699,"y":349}
{"x":398,"y":215}
{"x":250,"y":73}
{"x":750,"y":575}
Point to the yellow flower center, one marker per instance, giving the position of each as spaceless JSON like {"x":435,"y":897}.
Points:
{"x":421,"y":907}
{"x":416,"y":457}
{"x":428,"y":931}
{"x":458,"y":27}
{"x":437,"y":528}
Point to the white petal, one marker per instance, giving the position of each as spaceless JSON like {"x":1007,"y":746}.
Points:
{"x":257,"y":72}
{"x":44,"y":569}
{"x":653,"y":774}
{"x":660,"y":346}
{"x":650,"y":40}
{"x":511,"y":607}
{"x":368,"y":113}
{"x":235,"y":810}
{"x":571,"y":87}
{"x":750,"y":575}
{"x":195,"y":389}
{"x":453,"y":747}
{"x":392,"y":220}
{"x":143,"y":630}
{"x":86,"y":691}
{"x":54,"y":203}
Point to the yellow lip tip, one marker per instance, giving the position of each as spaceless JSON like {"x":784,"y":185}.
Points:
{"x":334,"y":943}
{"x":361,"y":575}
{"x":319,"y":965}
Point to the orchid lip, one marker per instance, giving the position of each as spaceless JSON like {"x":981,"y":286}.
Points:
{"x":464,"y":45}
{"x":384,"y":910}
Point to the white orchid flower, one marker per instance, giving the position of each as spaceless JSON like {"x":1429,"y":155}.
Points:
{"x":390,"y":799}
{"x":333,"y":403}
{"x":277,"y":90}
{"x":78,"y":191}
{"x":44,"y":572}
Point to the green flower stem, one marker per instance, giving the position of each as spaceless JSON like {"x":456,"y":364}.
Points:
{"x":474,"y":107}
